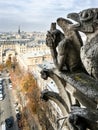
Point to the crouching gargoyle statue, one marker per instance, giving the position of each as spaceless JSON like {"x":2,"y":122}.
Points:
{"x":65,"y":48}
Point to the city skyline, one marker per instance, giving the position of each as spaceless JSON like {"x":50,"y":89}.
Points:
{"x":32,"y":15}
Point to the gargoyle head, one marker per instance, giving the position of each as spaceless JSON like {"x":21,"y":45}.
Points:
{"x":87,"y":20}
{"x":53,"y":38}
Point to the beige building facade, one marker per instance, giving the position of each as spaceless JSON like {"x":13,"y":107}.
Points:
{"x":26,"y":51}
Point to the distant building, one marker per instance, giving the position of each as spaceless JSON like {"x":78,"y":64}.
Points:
{"x":19,"y":31}
{"x":22,"y":46}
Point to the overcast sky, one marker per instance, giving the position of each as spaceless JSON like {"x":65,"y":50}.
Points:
{"x":37,"y":15}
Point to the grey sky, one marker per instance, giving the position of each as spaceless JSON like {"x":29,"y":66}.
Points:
{"x":37,"y":15}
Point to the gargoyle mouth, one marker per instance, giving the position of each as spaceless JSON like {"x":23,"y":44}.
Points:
{"x":83,"y":20}
{"x":75,"y":17}
{"x":75,"y":26}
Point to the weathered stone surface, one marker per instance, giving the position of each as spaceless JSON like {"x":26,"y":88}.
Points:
{"x":48,"y":73}
{"x":88,"y":24}
{"x":48,"y":95}
{"x":83,"y":118}
{"x":86,"y":86}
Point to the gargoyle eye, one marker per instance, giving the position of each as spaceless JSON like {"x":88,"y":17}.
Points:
{"x":86,"y":15}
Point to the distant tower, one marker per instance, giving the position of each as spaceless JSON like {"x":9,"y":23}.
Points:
{"x":19,"y":30}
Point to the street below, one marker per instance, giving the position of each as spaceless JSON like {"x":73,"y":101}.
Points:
{"x":7,"y":108}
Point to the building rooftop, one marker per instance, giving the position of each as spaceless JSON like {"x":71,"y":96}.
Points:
{"x":47,"y":65}
{"x":33,"y":54}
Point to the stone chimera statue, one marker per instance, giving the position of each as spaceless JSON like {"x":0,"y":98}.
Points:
{"x":65,"y":48}
{"x":88,"y":24}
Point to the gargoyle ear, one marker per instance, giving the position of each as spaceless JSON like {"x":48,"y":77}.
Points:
{"x":48,"y":32}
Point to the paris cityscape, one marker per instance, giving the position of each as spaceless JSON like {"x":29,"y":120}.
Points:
{"x":26,"y":62}
{"x":22,"y":55}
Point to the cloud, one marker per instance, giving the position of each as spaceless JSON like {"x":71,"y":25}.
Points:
{"x":37,"y":13}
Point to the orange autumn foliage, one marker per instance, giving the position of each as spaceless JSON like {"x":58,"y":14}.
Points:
{"x":27,"y":82}
{"x":8,"y":63}
{"x":28,"y":86}
{"x":1,"y":67}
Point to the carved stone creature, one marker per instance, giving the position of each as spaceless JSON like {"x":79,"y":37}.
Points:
{"x":53,"y":37}
{"x":49,"y":95}
{"x":65,"y":50}
{"x":82,"y":119}
{"x":69,"y":48}
{"x":88,"y":24}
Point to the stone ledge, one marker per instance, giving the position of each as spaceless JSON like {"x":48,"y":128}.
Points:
{"x":86,"y":87}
